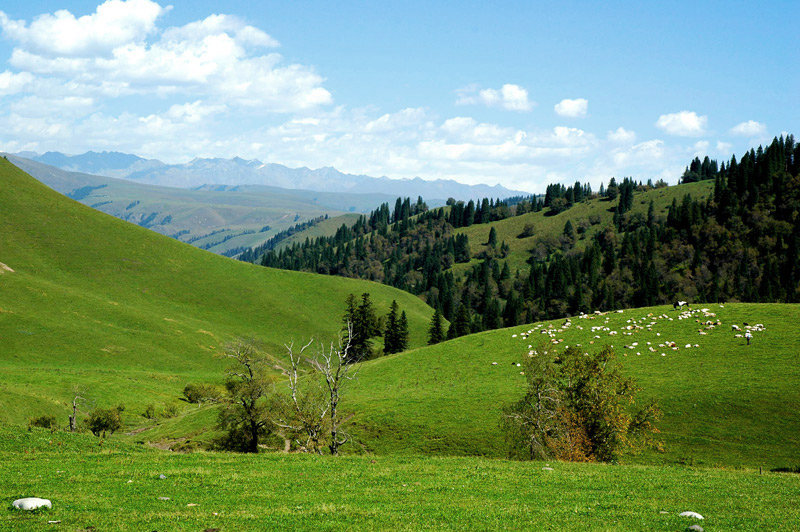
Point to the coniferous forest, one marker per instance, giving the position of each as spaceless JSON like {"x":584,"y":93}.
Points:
{"x":740,"y":244}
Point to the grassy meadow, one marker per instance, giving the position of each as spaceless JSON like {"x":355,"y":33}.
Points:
{"x":131,"y":316}
{"x":116,"y":487}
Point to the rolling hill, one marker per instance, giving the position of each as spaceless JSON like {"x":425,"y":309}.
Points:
{"x":725,"y":403}
{"x":131,"y":316}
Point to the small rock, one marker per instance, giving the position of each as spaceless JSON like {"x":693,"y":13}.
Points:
{"x":192,"y":504}
{"x":163,"y":498}
{"x":54,"y":522}
{"x":129,"y":482}
{"x":162,"y":477}
{"x":691,"y":514}
{"x":32,"y":503}
{"x":696,"y":528}
{"x":547,"y":469}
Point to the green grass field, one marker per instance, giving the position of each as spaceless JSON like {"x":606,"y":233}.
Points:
{"x":132,"y":316}
{"x":116,"y":487}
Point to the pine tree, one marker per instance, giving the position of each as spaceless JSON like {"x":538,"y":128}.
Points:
{"x":436,"y":330}
{"x":402,"y":332}
{"x":391,"y":335}
{"x":492,"y":237}
{"x":363,"y":325}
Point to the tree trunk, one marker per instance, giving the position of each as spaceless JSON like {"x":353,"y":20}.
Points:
{"x":253,"y":438}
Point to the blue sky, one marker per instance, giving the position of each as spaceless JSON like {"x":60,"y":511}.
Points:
{"x":517,"y":93}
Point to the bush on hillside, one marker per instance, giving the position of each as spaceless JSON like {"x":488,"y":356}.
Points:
{"x":102,"y":421}
{"x":577,"y":407}
{"x":202,"y":393}
{"x":44,"y":422}
{"x":150,"y":412}
{"x":527,"y":231}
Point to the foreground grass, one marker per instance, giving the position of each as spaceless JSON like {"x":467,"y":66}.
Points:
{"x":117,"y":487}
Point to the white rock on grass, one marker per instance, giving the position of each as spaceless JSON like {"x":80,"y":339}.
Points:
{"x":691,"y":514}
{"x":696,"y":528}
{"x":32,"y":503}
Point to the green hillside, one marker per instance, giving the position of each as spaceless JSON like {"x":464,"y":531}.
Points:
{"x":725,"y":403}
{"x":131,"y":316}
{"x":324,"y":228}
{"x":593,"y":215}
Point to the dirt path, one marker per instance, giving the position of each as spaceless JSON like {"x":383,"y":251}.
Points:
{"x":137,"y":431}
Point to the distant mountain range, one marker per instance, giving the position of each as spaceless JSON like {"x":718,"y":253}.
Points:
{"x":237,"y":171}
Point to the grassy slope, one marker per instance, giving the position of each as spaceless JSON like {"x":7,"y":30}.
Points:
{"x":133,"y":316}
{"x":116,"y":487}
{"x":324,"y":228}
{"x":553,"y":226}
{"x":724,"y":403}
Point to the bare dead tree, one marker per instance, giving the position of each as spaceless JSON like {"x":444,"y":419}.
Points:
{"x":334,"y":367}
{"x":304,"y":415}
{"x":78,"y":400}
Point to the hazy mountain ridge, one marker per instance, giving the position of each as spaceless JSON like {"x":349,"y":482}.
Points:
{"x":215,"y":217}
{"x":238,"y":171}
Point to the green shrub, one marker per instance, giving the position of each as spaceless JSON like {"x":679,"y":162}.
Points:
{"x":150,"y":412}
{"x":170,"y":410}
{"x":103,"y":420}
{"x":202,"y":393}
{"x":45,"y":422}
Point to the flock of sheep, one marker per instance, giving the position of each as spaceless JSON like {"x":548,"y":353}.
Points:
{"x":703,"y":317}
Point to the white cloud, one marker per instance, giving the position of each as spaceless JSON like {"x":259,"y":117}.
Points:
{"x":751,"y":128}
{"x":700,"y":148}
{"x":683,"y":124}
{"x":643,"y":153}
{"x":67,"y":106}
{"x":113,"y":24}
{"x":194,"y":112}
{"x":119,"y":49}
{"x":11,"y":83}
{"x":724,"y":148}
{"x":572,"y":108}
{"x":510,"y":97}
{"x":621,"y":136}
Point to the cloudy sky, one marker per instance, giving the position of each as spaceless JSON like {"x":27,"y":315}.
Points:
{"x":517,"y":93}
